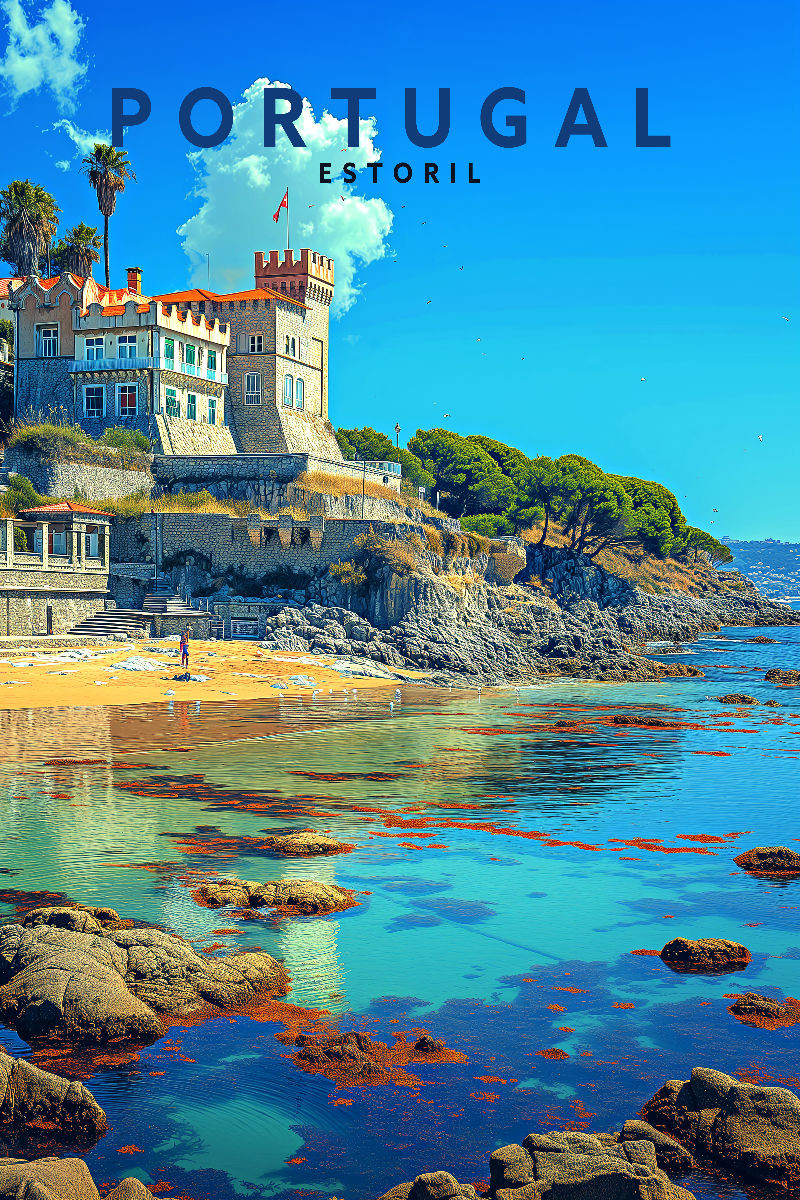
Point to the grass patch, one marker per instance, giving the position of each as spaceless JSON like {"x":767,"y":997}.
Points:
{"x":140,"y":503}
{"x":330,"y":484}
{"x":126,"y":448}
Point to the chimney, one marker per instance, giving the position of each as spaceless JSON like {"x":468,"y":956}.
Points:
{"x":135,"y":280}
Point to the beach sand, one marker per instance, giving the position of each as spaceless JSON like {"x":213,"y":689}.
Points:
{"x":233,"y":670}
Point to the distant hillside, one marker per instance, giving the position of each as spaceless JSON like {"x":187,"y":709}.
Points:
{"x":774,"y":567}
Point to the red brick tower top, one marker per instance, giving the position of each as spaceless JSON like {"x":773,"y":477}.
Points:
{"x":307,"y":278}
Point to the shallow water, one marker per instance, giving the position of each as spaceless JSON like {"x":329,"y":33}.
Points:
{"x":508,"y":868}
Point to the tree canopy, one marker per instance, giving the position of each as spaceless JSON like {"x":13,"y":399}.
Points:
{"x":370,"y":444}
{"x":28,"y":220}
{"x":467,"y":477}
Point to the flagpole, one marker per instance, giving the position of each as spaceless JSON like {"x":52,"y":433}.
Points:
{"x":287,"y":219}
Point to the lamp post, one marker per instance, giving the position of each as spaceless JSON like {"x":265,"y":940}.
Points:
{"x":363,"y":484}
{"x":397,"y":433}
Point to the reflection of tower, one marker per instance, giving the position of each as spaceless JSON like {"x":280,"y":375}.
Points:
{"x":309,"y":945}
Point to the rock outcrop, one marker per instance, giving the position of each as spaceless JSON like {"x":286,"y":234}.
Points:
{"x":670,"y":1154}
{"x":60,"y":1179}
{"x":563,"y":615}
{"x":754,"y":1009}
{"x":305,"y":843}
{"x":41,"y":1103}
{"x":739,"y":698}
{"x":708,"y":955}
{"x":769,"y":860}
{"x":750,"y":1130}
{"x":558,"y":1166}
{"x":303,"y":896}
{"x":784,"y":678}
{"x":102,"y":984}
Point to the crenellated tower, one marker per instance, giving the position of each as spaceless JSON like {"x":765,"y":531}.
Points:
{"x":308,"y":278}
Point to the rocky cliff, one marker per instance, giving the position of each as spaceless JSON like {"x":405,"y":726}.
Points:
{"x":563,"y":616}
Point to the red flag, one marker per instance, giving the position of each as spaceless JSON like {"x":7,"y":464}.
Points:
{"x":283,"y":204}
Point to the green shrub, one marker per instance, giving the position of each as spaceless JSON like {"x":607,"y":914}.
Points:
{"x":21,"y":494}
{"x":126,"y":439}
{"x":20,"y":540}
{"x":488,"y":525}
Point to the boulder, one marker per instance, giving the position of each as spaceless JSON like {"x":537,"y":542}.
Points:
{"x":559,"y":1166}
{"x":769,"y":860}
{"x":303,"y":896}
{"x":305,"y":843}
{"x":37,"y":1101}
{"x":737,"y":698}
{"x":785,"y":678}
{"x":106,"y":984}
{"x":710,"y":955}
{"x":763,"y":641}
{"x":753,"y":1009}
{"x":75,"y":916}
{"x":751,"y":1130}
{"x":59,"y":1179}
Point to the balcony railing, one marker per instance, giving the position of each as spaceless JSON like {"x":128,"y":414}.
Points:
{"x":79,"y":365}
{"x":388,"y":468}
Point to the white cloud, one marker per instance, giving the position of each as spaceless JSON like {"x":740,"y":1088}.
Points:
{"x":43,"y":53}
{"x":63,"y":164}
{"x":241,"y":183}
{"x":82,"y":139}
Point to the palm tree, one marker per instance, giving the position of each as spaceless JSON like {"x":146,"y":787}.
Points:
{"x":77,"y":250}
{"x":29,"y":218}
{"x":108,"y":171}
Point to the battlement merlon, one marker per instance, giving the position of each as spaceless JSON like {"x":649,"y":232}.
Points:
{"x":295,"y":275}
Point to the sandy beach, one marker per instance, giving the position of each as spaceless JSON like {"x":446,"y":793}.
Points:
{"x":143,"y":672}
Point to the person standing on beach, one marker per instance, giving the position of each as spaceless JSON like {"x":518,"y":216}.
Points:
{"x":185,"y":648}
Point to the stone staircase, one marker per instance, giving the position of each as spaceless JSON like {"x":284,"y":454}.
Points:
{"x":111,"y":621}
{"x":165,"y":601}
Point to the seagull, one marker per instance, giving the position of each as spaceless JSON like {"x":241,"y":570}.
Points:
{"x":785,"y":318}
{"x":461,"y":268}
{"x":477,"y":339}
{"x":311,"y":206}
{"x":643,"y":379}
{"x":715,"y":510}
{"x":761,"y":437}
{"x":445,"y":415}
{"x":427,"y":301}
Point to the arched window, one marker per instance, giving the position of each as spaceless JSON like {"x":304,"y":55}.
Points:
{"x":293,"y":349}
{"x":287,"y":390}
{"x":299,"y":393}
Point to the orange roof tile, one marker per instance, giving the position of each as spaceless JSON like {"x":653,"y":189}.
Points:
{"x":5,"y":284}
{"x":64,"y":506}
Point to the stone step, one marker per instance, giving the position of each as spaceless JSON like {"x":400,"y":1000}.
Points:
{"x":115,"y":620}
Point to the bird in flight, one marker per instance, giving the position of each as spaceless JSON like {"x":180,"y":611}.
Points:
{"x":643,"y":379}
{"x":785,"y":318}
{"x":461,"y":268}
{"x":761,"y":437}
{"x":427,"y":301}
{"x":445,"y":415}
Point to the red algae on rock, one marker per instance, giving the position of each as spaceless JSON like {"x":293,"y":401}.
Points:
{"x":554,"y":1052}
{"x":353,"y":1059}
{"x":763,"y":1012}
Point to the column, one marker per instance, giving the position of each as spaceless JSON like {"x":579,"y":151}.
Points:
{"x":80,"y":534}
{"x":106,"y":546}
{"x":10,"y":528}
{"x":45,"y":545}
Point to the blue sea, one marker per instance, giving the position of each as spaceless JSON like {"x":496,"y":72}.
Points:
{"x":507,"y":867}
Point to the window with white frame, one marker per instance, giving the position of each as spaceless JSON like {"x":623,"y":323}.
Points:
{"x":252,"y":388}
{"x":299,"y":394}
{"x":48,"y":341}
{"x":256,"y":343}
{"x":212,"y":410}
{"x":94,"y":348}
{"x":127,"y":399}
{"x":191,"y":406}
{"x":172,"y":405}
{"x":212,"y":360}
{"x":94,"y":401}
{"x":288,"y":384}
{"x":190,"y":355}
{"x":126,"y":345}
{"x":169,"y":349}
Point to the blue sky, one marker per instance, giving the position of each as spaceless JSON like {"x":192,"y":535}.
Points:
{"x":584,"y":269}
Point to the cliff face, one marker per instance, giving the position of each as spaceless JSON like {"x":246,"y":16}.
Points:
{"x":585,"y":622}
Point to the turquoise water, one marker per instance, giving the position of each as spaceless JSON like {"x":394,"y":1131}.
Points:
{"x":468,"y":929}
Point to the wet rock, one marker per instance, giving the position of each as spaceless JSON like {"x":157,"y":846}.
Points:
{"x":779,"y":860}
{"x":710,"y":955}
{"x":305,"y":843}
{"x":737,"y":698}
{"x":352,"y":1054}
{"x":786,"y":678}
{"x":304,"y":896}
{"x":750,"y":1130}
{"x":772,"y":704}
{"x":79,"y":917}
{"x":33,"y":1098}
{"x":560,"y":1166}
{"x":670,"y":1154}
{"x":645,"y":722}
{"x":117,"y":984}
{"x":59,"y":1179}
{"x":763,"y":641}
{"x":428,"y":1045}
{"x":763,"y":1011}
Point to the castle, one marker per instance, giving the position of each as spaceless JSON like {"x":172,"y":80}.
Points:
{"x":199,"y":372}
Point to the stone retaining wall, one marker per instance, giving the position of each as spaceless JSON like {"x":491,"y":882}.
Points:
{"x":26,"y":595}
{"x":94,"y":481}
{"x":251,"y":477}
